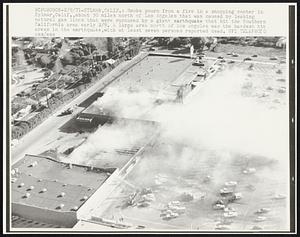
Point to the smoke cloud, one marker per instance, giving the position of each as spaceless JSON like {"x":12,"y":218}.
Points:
{"x":219,"y":117}
{"x":217,"y":121}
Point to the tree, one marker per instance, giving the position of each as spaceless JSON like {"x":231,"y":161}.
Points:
{"x":174,"y":42}
{"x":198,"y":43}
{"x":163,"y":41}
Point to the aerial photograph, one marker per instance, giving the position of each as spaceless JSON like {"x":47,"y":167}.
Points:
{"x":149,"y":134}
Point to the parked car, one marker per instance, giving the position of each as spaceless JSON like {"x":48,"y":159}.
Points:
{"x":66,"y":112}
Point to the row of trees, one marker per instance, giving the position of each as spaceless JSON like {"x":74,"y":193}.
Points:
{"x":77,"y":55}
{"x":199,"y":43}
{"x":210,"y":43}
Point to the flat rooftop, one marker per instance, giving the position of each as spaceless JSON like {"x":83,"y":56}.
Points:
{"x":141,"y":85}
{"x":153,"y":73}
{"x":37,"y":173}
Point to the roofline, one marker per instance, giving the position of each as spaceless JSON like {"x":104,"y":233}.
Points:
{"x":110,"y":169}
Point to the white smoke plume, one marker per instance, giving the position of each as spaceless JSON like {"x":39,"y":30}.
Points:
{"x":119,"y":135}
{"x":218,"y":118}
{"x":124,"y":104}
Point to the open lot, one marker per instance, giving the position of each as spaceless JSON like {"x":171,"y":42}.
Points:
{"x":169,"y":181}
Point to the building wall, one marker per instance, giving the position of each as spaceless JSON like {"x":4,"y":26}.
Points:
{"x":99,"y":196}
{"x":62,"y":218}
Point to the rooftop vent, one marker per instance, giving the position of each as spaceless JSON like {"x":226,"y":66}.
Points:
{"x":13,"y":172}
{"x":33,"y":164}
{"x":21,"y":185}
{"x":40,"y":180}
{"x":13,"y":180}
{"x":84,"y":198}
{"x":62,"y":194}
{"x":31,"y":188}
{"x":64,"y":185}
{"x":61,"y":206}
{"x":75,"y":208}
{"x":43,"y":190}
{"x":27,"y":195}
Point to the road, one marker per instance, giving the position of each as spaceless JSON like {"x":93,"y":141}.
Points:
{"x":48,"y":130}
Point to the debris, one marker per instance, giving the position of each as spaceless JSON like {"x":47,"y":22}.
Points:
{"x":247,"y":85}
{"x":260,"y":219}
{"x":264,"y":94}
{"x":256,"y":228}
{"x":148,"y":197}
{"x":186,"y":197}
{"x":175,"y":203}
{"x":249,"y":171}
{"x":143,"y":204}
{"x":279,"y":196}
{"x":229,"y":209}
{"x":170,"y":216}
{"x":237,"y":196}
{"x":222,"y":227}
{"x":146,"y":191}
{"x":230,"y":214}
{"x":219,"y":202}
{"x":177,"y":209}
{"x":225,"y":191}
{"x":141,"y":227}
{"x":160,"y":179}
{"x":262,"y":210}
{"x":282,"y":90}
{"x":219,"y":207}
{"x":202,"y":196}
{"x":234,"y":197}
{"x":225,"y":222}
{"x":173,"y":209}
{"x":250,"y":187}
{"x":207,"y":179}
{"x":230,"y":183}
{"x":132,"y":197}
